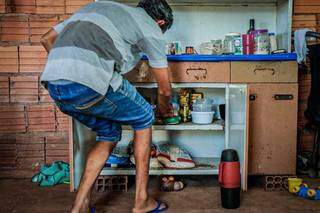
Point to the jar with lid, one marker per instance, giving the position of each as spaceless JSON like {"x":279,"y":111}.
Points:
{"x":261,"y":42}
{"x":229,"y":43}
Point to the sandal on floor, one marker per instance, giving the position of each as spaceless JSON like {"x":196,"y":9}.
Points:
{"x":169,"y":184}
{"x":158,"y":208}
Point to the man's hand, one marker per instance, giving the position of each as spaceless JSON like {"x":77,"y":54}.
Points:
{"x":164,"y":91}
{"x":48,"y":39}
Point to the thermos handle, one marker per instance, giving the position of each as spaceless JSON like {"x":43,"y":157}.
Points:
{"x":220,"y":176}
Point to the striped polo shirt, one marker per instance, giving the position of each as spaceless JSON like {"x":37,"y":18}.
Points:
{"x":101,"y":42}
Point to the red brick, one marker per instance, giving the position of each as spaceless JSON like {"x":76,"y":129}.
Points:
{"x":24,"y":2}
{"x":24,"y":88}
{"x":57,"y":138}
{"x":41,"y":118}
{"x":50,"y":2}
{"x":24,"y":98}
{"x":4,"y":89}
{"x":16,"y":31}
{"x":30,"y":153}
{"x":29,"y":163}
{"x":42,"y":128}
{"x":306,"y":2}
{"x":14,"y":24}
{"x":35,"y":54}
{"x":29,"y":68}
{"x":50,"y":9}
{"x":40,"y":107}
{"x":15,"y":38}
{"x":47,"y":120}
{"x":28,"y":48}
{"x":57,"y":152}
{"x":8,"y":59}
{"x":74,"y":5}
{"x":304,"y":18}
{"x":12,"y":129}
{"x":57,"y":146}
{"x":43,"y":18}
{"x":25,"y":9}
{"x":32,"y":146}
{"x":14,"y":18}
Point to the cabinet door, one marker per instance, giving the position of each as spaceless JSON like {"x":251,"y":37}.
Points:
{"x":273,"y":128}
{"x":237,"y":126}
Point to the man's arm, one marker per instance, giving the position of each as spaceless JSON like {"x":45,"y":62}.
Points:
{"x":48,"y":39}
{"x":164,"y":90}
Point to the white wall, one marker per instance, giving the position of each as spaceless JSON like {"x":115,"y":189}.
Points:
{"x":196,"y":24}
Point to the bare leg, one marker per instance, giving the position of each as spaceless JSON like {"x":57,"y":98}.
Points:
{"x":142,"y":155}
{"x":95,"y":162}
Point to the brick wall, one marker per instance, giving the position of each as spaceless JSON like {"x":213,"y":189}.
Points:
{"x":32,"y":129}
{"x":306,"y":15}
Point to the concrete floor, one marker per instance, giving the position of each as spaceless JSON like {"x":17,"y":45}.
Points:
{"x":200,"y":196}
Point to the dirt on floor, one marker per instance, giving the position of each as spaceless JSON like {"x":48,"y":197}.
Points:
{"x":202,"y":195}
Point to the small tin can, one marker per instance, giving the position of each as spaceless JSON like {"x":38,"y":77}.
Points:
{"x":195,"y":96}
{"x":190,"y":50}
{"x":184,"y":113}
{"x":184,"y":97}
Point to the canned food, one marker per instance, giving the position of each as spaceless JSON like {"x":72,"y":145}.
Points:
{"x":261,"y":42}
{"x":184,"y":113}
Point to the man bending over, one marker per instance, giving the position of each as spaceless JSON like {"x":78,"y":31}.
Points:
{"x":89,"y":53}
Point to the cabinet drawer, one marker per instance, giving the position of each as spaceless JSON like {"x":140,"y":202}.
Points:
{"x":187,"y":72}
{"x":200,"y":71}
{"x":264,"y":72}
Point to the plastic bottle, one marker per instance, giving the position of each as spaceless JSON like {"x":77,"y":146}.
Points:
{"x":273,"y":42}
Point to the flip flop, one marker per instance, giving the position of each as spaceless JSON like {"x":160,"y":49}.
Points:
{"x":157,"y":209}
{"x":93,"y":210}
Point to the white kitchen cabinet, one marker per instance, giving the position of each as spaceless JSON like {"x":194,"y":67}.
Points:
{"x":204,"y":142}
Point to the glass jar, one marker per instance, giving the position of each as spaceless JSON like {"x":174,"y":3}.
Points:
{"x":261,"y":42}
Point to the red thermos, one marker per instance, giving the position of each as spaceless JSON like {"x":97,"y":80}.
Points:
{"x":229,"y":179}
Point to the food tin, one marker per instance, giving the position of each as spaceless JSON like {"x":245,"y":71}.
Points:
{"x":261,"y":42}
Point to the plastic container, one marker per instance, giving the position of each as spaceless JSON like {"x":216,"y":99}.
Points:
{"x":229,"y":43}
{"x":293,"y":182}
{"x":202,"y":117}
{"x":202,"y":105}
{"x":261,"y":42}
{"x":273,"y":42}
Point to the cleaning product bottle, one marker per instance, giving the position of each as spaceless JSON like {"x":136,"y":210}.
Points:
{"x":229,"y":179}
{"x":317,"y":197}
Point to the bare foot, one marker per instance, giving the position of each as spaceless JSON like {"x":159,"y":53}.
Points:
{"x":146,"y":206}
{"x":84,"y":208}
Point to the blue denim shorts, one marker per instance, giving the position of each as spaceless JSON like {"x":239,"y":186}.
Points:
{"x":104,"y":114}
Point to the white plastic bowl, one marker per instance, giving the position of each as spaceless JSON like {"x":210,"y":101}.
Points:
{"x":202,"y":117}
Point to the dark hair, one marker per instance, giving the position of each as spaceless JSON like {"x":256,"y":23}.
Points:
{"x":158,"y":10}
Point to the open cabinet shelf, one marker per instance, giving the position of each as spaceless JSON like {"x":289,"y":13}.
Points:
{"x":204,"y":166}
{"x":204,"y":143}
{"x":215,"y":126}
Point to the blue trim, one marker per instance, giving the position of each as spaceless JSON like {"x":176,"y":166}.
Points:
{"x":217,"y":58}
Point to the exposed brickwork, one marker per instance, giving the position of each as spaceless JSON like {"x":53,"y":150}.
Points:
{"x":32,"y":129}
{"x":306,"y":15}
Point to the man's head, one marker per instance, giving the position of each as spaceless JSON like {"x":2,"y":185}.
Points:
{"x":160,"y":11}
